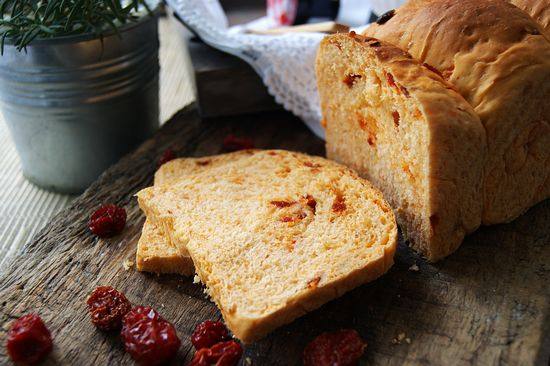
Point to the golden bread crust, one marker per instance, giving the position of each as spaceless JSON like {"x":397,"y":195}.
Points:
{"x":539,"y":10}
{"x":498,"y":58}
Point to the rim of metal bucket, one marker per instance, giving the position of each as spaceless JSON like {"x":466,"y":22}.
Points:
{"x":91,"y":36}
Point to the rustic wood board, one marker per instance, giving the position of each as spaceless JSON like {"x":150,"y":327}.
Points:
{"x":488,"y":304}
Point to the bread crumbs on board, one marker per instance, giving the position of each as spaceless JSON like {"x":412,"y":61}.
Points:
{"x":127,"y":264}
{"x":414,"y":268}
{"x":400,"y":338}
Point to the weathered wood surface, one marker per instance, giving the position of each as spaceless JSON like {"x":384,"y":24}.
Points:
{"x":488,"y":304}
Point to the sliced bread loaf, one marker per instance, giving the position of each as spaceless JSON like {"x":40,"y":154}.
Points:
{"x":154,"y":253}
{"x":498,"y":58}
{"x":276,"y":235}
{"x":400,"y":125}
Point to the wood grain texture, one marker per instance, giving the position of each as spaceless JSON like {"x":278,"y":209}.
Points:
{"x":488,"y":304}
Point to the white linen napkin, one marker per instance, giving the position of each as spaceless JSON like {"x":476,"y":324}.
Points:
{"x":284,"y":62}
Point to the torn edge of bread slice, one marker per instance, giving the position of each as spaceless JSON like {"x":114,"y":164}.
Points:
{"x":276,"y":235}
{"x":155,"y":255}
{"x":154,"y":252}
{"x":400,"y":125}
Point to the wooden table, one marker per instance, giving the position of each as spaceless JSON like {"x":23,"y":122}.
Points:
{"x":488,"y":304}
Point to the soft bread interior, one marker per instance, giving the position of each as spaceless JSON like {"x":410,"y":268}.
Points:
{"x":154,"y":252}
{"x":401,"y":126}
{"x":379,"y":132}
{"x":276,"y":235}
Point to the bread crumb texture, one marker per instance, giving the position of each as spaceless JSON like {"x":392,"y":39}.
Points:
{"x":404,"y":128}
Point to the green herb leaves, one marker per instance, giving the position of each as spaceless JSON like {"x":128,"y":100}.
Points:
{"x":25,"y":20}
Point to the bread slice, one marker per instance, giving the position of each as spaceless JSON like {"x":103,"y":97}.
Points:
{"x":154,"y":253}
{"x":498,"y":58}
{"x":404,"y":128}
{"x":275,"y":235}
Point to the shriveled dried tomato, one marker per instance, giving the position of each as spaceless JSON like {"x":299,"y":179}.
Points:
{"x":108,"y":220}
{"x":311,"y":202}
{"x":29,"y":341}
{"x":234,"y":143}
{"x":208,"y":333}
{"x":339,"y":204}
{"x":166,"y":156}
{"x":342,"y":348}
{"x":148,"y":338}
{"x":107,"y":307}
{"x":351,"y":79}
{"x":221,"y":354}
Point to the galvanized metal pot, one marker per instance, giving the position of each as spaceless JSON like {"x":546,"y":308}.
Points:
{"x":75,"y":105}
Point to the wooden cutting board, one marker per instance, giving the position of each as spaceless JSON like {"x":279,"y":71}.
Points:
{"x":488,"y":304}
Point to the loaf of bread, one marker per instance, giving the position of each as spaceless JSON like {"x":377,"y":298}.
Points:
{"x":400,"y":125}
{"x":275,"y":235}
{"x":154,"y":253}
{"x":539,"y":10}
{"x":498,"y":59}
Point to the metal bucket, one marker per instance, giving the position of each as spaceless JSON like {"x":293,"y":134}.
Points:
{"x":75,"y":105}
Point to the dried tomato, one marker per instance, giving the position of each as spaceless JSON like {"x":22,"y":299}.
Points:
{"x":221,"y":354}
{"x":339,"y":203}
{"x":108,"y":220}
{"x":148,"y":338}
{"x":432,"y":69}
{"x":208,"y":333}
{"x":166,"y":156}
{"x":107,"y":307}
{"x":29,"y":341}
{"x":311,"y":164}
{"x":396,"y":118}
{"x":390,"y":79}
{"x":311,"y":202}
{"x":282,"y":204}
{"x":341,"y":348}
{"x":351,"y":79}
{"x":233,"y":143}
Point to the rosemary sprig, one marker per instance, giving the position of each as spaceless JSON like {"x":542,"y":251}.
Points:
{"x":26,"y":20}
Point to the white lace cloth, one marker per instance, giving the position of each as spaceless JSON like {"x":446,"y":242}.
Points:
{"x":284,"y":62}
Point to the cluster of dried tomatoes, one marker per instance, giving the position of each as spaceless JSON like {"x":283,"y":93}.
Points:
{"x":147,"y":336}
{"x":152,"y":340}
